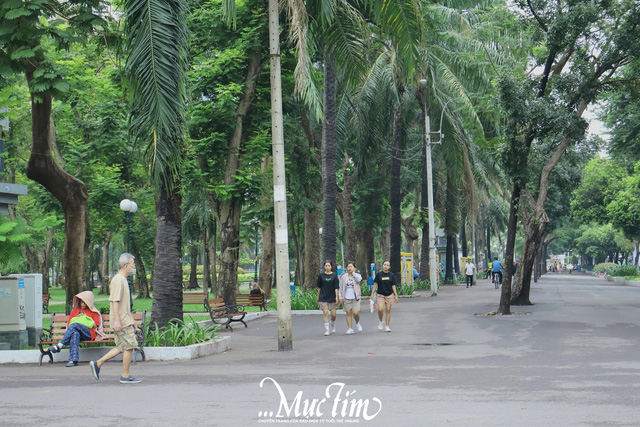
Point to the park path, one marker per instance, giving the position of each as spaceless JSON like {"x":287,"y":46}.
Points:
{"x":569,"y":360}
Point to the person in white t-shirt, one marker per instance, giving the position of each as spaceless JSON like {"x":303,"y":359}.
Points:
{"x":470,"y":270}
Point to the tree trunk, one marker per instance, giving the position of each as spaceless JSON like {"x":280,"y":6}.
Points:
{"x":68,"y":190}
{"x":104,"y":264}
{"x":215,"y":288}
{"x":228,"y":213}
{"x":312,"y":252}
{"x":456,"y":258}
{"x":385,"y":243}
{"x":141,"y":272}
{"x":463,"y":238}
{"x":505,"y":295}
{"x":265,"y":280}
{"x":206,"y":264}
{"x":449,"y":259}
{"x":395,"y":197}
{"x":312,"y":246}
{"x":329,"y":162}
{"x":534,"y":220}
{"x":167,"y":275}
{"x":228,"y":210}
{"x":298,"y":267}
{"x":345,"y":210}
{"x":411,"y":235}
{"x":193,"y":275}
{"x":488,"y":244}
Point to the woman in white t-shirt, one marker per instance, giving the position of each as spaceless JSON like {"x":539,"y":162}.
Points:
{"x":350,"y":296}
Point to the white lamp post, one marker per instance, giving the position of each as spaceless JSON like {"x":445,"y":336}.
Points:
{"x":129,"y":207}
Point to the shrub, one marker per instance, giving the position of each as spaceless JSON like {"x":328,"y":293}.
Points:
{"x":406,"y":289}
{"x":624,"y":271}
{"x":179,"y":333}
{"x":422,"y":284}
{"x":304,"y":300}
{"x":364,"y":288}
{"x":605,"y":267}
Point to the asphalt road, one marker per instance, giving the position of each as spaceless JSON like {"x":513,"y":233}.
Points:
{"x":572,"y":359}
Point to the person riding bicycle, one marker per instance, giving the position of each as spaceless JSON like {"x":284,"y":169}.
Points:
{"x":496,"y":268}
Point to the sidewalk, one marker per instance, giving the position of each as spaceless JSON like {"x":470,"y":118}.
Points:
{"x":569,"y":360}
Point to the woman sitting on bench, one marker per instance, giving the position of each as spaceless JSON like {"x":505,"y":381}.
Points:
{"x":85,"y":323}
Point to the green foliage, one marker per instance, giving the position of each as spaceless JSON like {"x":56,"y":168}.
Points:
{"x":13,"y":235}
{"x":304,"y":300}
{"x":364,"y":289}
{"x":602,"y":179}
{"x":624,"y":208}
{"x":597,"y":241}
{"x":422,"y":284}
{"x":624,"y":271}
{"x":605,"y":267}
{"x":406,"y":289}
{"x":179,"y":333}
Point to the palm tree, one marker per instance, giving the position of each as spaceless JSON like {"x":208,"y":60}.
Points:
{"x":156,"y":35}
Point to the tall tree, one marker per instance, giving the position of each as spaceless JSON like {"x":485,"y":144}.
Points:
{"x":156,"y":38}
{"x":30,"y":31}
{"x":579,"y":48}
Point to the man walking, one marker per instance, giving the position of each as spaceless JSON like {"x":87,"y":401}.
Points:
{"x":470,"y":271}
{"x":121,"y":322}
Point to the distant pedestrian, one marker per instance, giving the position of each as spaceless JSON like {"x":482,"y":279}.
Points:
{"x":121,"y":321}
{"x":350,"y":296}
{"x":470,"y":271}
{"x":385,"y":284}
{"x":328,"y":285}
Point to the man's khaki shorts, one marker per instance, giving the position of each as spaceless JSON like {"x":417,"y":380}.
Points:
{"x":126,"y":338}
{"x":328,"y":305}
{"x":390,"y":300}
{"x":352,"y":304}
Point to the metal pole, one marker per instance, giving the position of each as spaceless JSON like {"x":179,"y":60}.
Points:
{"x":255,"y":273}
{"x":433,"y":278}
{"x":285,"y":340}
{"x":128,"y":214}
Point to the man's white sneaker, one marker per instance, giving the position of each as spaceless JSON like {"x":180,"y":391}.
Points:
{"x":380,"y":326}
{"x":349,"y":331}
{"x":387,"y":329}
{"x":359,"y":327}
{"x":333,"y":329}
{"x":326,"y":333}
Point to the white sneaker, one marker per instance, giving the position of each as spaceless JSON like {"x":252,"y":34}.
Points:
{"x":359,"y":327}
{"x":326,"y":333}
{"x":380,"y":326}
{"x":349,"y":331}
{"x":387,"y":329}
{"x":333,"y":329}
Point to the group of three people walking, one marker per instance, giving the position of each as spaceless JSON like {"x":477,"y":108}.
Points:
{"x":345,"y":290}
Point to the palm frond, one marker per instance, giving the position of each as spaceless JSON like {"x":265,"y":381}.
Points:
{"x":157,"y":60}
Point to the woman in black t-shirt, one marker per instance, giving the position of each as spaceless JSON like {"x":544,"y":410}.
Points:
{"x":328,"y":285}
{"x":385,"y":283}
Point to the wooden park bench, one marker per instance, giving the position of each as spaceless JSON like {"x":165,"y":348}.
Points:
{"x":195,"y":298}
{"x":54,"y":334}
{"x":223,"y":314}
{"x":252,"y":300}
{"x":45,"y":302}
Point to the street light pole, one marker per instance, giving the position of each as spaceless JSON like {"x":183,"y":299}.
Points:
{"x":255,"y":272}
{"x":433,"y":277}
{"x":129,"y":207}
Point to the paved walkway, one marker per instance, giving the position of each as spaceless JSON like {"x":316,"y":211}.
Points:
{"x":572,"y":359}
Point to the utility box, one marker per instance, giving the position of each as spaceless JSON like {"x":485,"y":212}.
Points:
{"x":13,"y":324}
{"x":33,"y":305}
